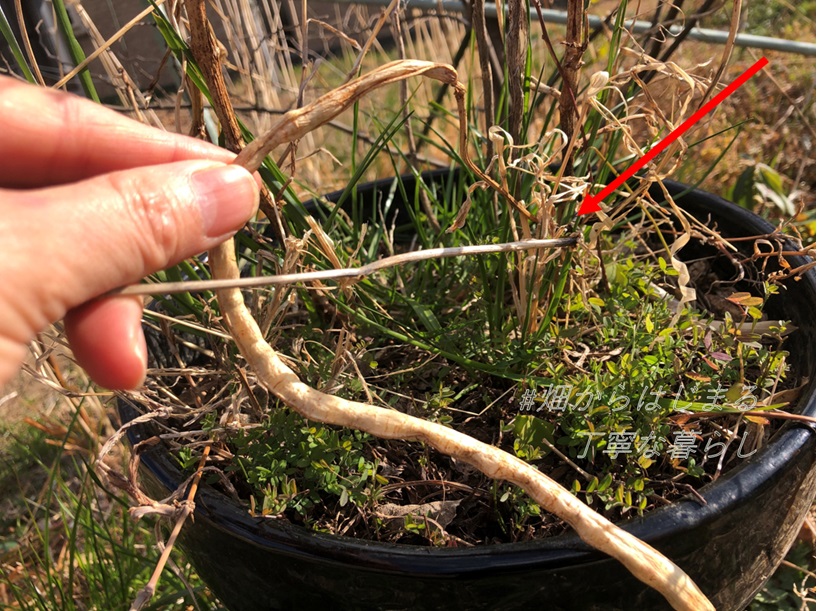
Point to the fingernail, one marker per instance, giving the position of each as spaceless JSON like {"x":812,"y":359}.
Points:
{"x":228,"y":197}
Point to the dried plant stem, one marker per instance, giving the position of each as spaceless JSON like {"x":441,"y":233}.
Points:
{"x":762,"y":414}
{"x":397,"y":18}
{"x":378,"y":25}
{"x":727,"y":49}
{"x":571,"y":62}
{"x":100,"y":49}
{"x":185,"y":509}
{"x":483,"y":49}
{"x":168,"y":288}
{"x":298,"y":122}
{"x":516,"y":42}
{"x":21,"y":23}
{"x":205,"y":48}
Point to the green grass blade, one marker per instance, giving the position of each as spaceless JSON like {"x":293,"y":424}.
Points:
{"x":77,"y":54}
{"x":16,"y":51}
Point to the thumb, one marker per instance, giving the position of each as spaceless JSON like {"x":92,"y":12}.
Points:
{"x":66,"y":245}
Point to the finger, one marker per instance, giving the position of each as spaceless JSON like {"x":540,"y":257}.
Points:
{"x":66,"y":245}
{"x":107,"y":340}
{"x":51,"y":138}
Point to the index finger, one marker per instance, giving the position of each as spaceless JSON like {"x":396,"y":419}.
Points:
{"x":51,"y":137}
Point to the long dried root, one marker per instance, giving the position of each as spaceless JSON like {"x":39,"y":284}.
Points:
{"x":642,"y":560}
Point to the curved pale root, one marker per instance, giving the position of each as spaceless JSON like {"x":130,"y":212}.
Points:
{"x":642,"y":560}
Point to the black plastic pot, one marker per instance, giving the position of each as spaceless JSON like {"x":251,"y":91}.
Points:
{"x":729,"y":546}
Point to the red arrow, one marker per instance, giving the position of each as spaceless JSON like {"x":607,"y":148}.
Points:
{"x":591,"y":202}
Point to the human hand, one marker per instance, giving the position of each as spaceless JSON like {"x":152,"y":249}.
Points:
{"x":91,"y":200}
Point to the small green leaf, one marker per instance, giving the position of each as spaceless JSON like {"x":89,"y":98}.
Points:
{"x":755,"y":313}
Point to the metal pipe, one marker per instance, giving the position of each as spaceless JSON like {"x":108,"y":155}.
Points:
{"x":638,"y":27}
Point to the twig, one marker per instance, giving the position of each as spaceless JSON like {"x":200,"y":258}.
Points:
{"x":481,"y":35}
{"x":411,"y":142}
{"x":205,"y":49}
{"x":21,"y":22}
{"x":567,"y":89}
{"x":186,"y":508}
{"x":378,"y":25}
{"x":168,"y":288}
{"x":727,"y":50}
{"x":516,"y":41}
{"x":107,"y":44}
{"x":759,"y":414}
{"x":574,"y":49}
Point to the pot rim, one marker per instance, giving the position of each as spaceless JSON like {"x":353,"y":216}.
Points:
{"x":684,"y":514}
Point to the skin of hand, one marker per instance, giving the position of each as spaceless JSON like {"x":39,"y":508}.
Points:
{"x":89,"y":201}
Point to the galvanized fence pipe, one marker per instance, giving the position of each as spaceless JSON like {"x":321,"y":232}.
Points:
{"x":636,"y":26}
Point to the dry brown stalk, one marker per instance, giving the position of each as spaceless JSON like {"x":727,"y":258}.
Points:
{"x":205,"y":47}
{"x":515,"y":47}
{"x":185,"y":509}
{"x":129,"y":94}
{"x":32,"y":59}
{"x":100,"y":49}
{"x":575,"y":42}
{"x":298,"y":122}
{"x":481,"y":35}
{"x":734,"y":24}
